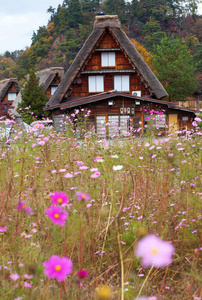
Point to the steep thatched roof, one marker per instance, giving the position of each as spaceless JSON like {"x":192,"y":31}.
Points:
{"x":5,"y":85}
{"x":46,"y":77}
{"x":114,"y":26}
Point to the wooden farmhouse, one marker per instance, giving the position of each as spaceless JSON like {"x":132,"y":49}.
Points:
{"x":49,"y":78}
{"x":111,"y":79}
{"x":9,"y":89}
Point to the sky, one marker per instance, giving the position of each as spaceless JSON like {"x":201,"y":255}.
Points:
{"x":19,"y":18}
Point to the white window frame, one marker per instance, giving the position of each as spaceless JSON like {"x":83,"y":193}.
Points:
{"x":122,"y":83}
{"x":96,"y":84}
{"x":108,"y":59}
{"x":12,"y":96}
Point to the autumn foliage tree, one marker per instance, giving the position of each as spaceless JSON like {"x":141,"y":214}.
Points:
{"x":146,"y":55}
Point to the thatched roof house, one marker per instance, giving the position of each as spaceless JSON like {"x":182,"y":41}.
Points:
{"x":111,"y":25}
{"x":49,"y":78}
{"x":9,"y":88}
{"x":110,"y":78}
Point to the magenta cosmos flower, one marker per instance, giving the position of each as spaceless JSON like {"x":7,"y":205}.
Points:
{"x":154,"y":251}
{"x":57,"y":215}
{"x":3,"y":228}
{"x":95,"y":175}
{"x":58,"y":267}
{"x":22,"y":206}
{"x":82,"y":273}
{"x":83,"y":196}
{"x":59,"y":198}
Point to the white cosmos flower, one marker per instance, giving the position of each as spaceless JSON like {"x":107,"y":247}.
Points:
{"x":114,"y":156}
{"x":117,"y":168}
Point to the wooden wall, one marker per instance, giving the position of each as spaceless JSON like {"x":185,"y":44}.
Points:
{"x":101,"y":108}
{"x":81,"y":90}
{"x":12,"y":88}
{"x":56,"y":80}
{"x":192,"y":102}
{"x":107,"y":42}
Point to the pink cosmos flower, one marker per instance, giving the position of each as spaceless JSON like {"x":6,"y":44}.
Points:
{"x":62,"y":170}
{"x":83,"y":196}
{"x":154,"y":251}
{"x":28,"y":276}
{"x":94,"y":169}
{"x":57,"y":215}
{"x":27,"y":284}
{"x":58,"y":267}
{"x":83,"y":168}
{"x":22,"y":206}
{"x":3,"y":228}
{"x":95,"y":175}
{"x":59,"y":198}
{"x":68,"y":175}
{"x":14,"y":276}
{"x":82,"y":274}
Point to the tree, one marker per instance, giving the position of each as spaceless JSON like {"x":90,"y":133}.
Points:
{"x":33,"y":97}
{"x":117,"y":7}
{"x":174,"y":65}
{"x":146,"y":55}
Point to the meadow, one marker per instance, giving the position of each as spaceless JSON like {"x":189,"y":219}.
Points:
{"x":85,"y":205}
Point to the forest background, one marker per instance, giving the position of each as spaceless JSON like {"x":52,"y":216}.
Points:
{"x":149,"y":24}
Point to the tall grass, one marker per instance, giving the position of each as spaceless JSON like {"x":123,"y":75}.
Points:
{"x":156,"y":188}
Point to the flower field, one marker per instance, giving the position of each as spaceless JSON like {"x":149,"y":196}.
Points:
{"x":117,"y":219}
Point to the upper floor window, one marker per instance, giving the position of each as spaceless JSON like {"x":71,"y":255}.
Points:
{"x":121,"y":83}
{"x":11,"y":96}
{"x":53,"y":89}
{"x":108,"y":59}
{"x":95,"y":84}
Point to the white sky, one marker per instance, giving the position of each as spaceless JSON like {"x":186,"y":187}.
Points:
{"x":19,"y":18}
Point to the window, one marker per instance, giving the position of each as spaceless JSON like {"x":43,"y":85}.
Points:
{"x":95,"y":84}
{"x":121,"y":83}
{"x":53,"y":89}
{"x":113,"y":125}
{"x":11,"y":96}
{"x":161,"y":121}
{"x":155,"y":121}
{"x":101,"y":121}
{"x":185,"y":118}
{"x":124,"y":123}
{"x":108,"y":59}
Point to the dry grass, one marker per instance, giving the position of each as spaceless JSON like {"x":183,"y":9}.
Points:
{"x":160,"y":195}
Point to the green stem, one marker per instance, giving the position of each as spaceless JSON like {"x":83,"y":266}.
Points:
{"x":121,"y":262}
{"x":145,"y":281}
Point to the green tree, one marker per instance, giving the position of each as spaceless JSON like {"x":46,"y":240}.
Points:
{"x":33,"y":97}
{"x":174,"y":65}
{"x":117,"y":7}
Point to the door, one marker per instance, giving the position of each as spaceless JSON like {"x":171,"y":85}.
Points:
{"x":173,"y":124}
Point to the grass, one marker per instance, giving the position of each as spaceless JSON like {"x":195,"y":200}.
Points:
{"x":157,"y":190}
